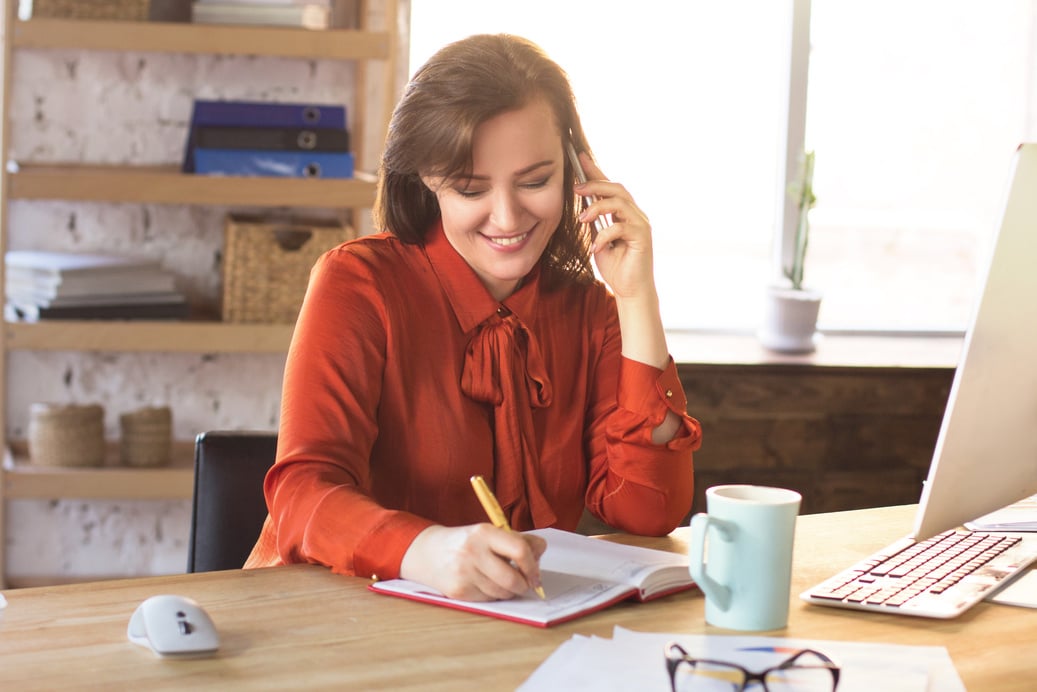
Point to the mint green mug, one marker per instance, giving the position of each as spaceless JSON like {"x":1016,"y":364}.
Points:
{"x":746,"y":577}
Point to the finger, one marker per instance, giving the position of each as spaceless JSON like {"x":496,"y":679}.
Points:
{"x":529,"y":563}
{"x":607,"y":238}
{"x":604,"y":208}
{"x":495,"y":578}
{"x":522,"y":553}
{"x":498,"y":581}
{"x":602,"y":190}
{"x":590,"y":168}
{"x":503,"y":564}
{"x":536,"y":543}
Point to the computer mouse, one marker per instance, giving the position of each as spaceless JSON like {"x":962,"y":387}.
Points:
{"x":173,"y":625}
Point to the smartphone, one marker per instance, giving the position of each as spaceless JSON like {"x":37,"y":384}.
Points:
{"x":602,"y":222}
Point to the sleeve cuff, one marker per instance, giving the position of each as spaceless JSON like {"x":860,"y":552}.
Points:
{"x":379,"y":554}
{"x":650,"y":391}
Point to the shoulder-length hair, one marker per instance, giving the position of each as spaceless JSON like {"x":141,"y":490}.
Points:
{"x":430,"y":134}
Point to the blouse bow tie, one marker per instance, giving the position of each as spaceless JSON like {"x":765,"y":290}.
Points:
{"x":503,"y":367}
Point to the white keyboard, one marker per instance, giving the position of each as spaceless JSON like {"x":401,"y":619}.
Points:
{"x":941,"y":577}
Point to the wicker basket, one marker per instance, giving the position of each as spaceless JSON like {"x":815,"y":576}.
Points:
{"x":136,"y":10}
{"x":66,"y":435}
{"x":266,"y":266}
{"x":147,"y":437}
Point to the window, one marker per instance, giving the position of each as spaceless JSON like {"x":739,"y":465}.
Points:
{"x":914,"y":122}
{"x":913,"y":108}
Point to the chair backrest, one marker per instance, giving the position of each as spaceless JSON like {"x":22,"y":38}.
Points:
{"x":228,"y":507}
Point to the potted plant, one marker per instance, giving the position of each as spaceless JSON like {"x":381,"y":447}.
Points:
{"x":790,"y":312}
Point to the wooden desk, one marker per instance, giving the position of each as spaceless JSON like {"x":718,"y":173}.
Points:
{"x":303,"y":627}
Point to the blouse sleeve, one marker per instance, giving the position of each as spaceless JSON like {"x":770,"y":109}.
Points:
{"x":318,"y":489}
{"x":636,"y":485}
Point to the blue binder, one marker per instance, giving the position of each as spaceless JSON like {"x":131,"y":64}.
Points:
{"x":261,"y":114}
{"x":277,"y":138}
{"x":272,"y":163}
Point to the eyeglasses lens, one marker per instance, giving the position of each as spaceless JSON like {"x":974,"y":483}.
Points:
{"x":705,"y":676}
{"x":800,"y":679}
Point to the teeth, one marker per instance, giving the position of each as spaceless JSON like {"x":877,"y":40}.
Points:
{"x":509,"y":241}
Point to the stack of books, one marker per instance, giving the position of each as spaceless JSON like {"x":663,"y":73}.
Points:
{"x":252,"y":138}
{"x":307,"y":14}
{"x":62,"y":285}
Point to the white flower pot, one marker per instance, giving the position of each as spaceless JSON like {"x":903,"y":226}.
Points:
{"x":790,"y":320}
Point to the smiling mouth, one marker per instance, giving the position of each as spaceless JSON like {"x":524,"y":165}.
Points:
{"x":513,"y":240}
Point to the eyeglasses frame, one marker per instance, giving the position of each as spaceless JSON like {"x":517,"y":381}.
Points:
{"x":748,"y":676}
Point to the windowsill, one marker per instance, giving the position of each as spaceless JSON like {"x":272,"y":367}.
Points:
{"x":833,"y":350}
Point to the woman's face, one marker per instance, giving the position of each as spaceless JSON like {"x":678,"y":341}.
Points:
{"x":501,"y":218}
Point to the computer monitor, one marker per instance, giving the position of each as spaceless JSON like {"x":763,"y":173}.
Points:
{"x":986,"y":452}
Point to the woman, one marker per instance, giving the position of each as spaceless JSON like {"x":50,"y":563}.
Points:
{"x":471,"y":338}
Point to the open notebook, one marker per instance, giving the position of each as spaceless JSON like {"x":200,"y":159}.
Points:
{"x":580,"y":575}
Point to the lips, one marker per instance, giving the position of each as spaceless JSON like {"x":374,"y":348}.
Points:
{"x":502,"y":241}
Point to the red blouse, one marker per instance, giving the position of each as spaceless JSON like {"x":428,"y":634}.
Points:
{"x":405,"y":378}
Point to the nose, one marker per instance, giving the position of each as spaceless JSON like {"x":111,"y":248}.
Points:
{"x":505,"y":212}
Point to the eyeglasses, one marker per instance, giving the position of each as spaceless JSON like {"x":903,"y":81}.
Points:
{"x":805,"y":670}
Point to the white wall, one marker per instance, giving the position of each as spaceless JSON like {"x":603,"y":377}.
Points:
{"x":102,"y":107}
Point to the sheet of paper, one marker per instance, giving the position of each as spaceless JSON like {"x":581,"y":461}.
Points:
{"x":575,"y":554}
{"x":1019,"y":516}
{"x":1021,"y":592}
{"x":635,"y":660}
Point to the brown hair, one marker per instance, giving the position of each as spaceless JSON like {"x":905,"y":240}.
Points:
{"x":461,"y":86}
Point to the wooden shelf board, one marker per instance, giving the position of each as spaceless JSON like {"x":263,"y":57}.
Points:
{"x":167,"y":185}
{"x":23,"y":480}
{"x":129,"y":336}
{"x":170,"y":37}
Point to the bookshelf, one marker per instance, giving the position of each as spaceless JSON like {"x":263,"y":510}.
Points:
{"x":166,"y":185}
{"x":78,"y":182}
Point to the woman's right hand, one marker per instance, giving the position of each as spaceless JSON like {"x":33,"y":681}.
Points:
{"x":474,"y":563}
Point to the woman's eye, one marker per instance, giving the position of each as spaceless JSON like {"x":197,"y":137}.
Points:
{"x":536,"y":184}
{"x":468,"y":194}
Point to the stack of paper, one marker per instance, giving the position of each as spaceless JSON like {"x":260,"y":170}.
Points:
{"x":62,"y":285}
{"x":307,"y":14}
{"x":637,"y":661}
{"x":1020,"y":516}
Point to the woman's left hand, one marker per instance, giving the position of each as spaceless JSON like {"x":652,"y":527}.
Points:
{"x":622,"y":251}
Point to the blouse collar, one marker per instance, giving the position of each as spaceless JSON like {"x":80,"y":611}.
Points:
{"x":469,"y":298}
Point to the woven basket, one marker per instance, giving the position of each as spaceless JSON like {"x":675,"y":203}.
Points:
{"x":66,"y":435}
{"x":266,"y":266}
{"x":136,"y":10}
{"x":147,"y":437}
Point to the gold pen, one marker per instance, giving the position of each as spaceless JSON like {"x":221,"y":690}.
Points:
{"x":495,"y":513}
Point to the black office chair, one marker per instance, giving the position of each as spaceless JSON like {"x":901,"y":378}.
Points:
{"x":228,"y":507}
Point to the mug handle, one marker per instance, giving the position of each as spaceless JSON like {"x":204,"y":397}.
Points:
{"x":714,"y":590}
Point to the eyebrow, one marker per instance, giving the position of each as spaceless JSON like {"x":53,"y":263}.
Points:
{"x":524,"y":171}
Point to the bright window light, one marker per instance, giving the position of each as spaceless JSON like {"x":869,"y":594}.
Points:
{"x":913,"y":109}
